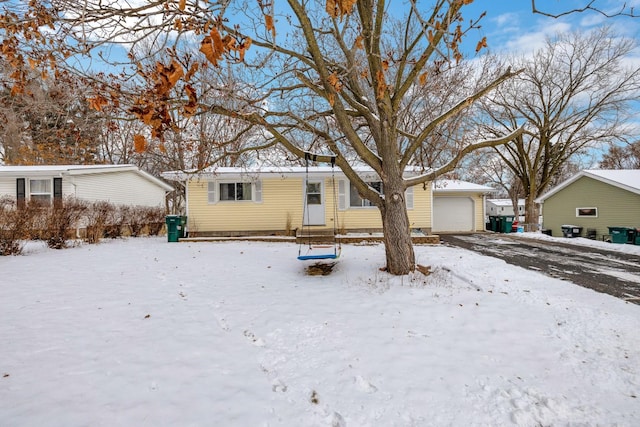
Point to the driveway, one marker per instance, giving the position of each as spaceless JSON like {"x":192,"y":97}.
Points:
{"x":610,"y":272}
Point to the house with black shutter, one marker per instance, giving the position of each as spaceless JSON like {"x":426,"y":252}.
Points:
{"x":50,"y":184}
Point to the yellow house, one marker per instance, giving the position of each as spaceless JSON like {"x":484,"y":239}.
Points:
{"x":276,"y":201}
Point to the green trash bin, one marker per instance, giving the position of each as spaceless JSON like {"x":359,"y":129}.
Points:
{"x":493,"y":221}
{"x":637,"y":239}
{"x":618,"y":234}
{"x":506,"y":223}
{"x":182,"y":229}
{"x":174,"y":227}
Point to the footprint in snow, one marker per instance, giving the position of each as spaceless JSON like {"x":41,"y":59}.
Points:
{"x":258,"y":342}
{"x":364,"y":385}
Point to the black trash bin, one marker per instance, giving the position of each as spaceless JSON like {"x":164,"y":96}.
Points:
{"x":571,"y":230}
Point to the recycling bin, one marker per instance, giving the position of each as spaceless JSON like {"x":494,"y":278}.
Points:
{"x":175,"y":227}
{"x":506,"y":223}
{"x":619,"y":234}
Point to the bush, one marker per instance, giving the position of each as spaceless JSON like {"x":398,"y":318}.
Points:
{"x":100,"y":218}
{"x":60,"y":221}
{"x":57,"y":224}
{"x":15,"y":225}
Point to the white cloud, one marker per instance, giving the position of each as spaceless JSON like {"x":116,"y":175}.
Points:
{"x":533,"y":40}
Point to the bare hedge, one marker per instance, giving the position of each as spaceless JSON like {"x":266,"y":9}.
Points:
{"x":72,"y":220}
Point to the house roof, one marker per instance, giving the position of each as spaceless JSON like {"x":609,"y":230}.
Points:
{"x":241,"y":172}
{"x":504,"y":202}
{"x":60,"y":170}
{"x":627,"y":179}
{"x":441,"y":185}
{"x":455,"y":185}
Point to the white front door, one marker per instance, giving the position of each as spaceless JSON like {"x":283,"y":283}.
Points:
{"x":314,"y":209}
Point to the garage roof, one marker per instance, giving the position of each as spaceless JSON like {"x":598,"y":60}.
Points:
{"x":455,"y":185}
{"x":627,"y":179}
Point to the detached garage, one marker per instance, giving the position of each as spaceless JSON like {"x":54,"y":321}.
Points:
{"x":458,"y":206}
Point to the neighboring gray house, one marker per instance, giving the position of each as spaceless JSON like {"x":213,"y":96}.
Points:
{"x":593,"y":200}
{"x":504,"y":207}
{"x":116,"y":184}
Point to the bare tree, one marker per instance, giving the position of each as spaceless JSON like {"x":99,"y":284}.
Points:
{"x":574,"y":95}
{"x":622,"y":157}
{"x":624,"y":9}
{"x":50,"y":122}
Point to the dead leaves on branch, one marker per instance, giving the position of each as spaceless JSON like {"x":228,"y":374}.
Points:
{"x":340,"y":8}
{"x":153,"y":106}
{"x":216,"y":47}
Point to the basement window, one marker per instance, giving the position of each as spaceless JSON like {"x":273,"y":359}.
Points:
{"x":586,"y":212}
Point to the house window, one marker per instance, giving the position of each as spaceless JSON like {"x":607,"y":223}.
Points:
{"x":587,"y":212}
{"x":314,"y":193}
{"x":235,"y":191}
{"x":356,"y":201}
{"x":40,"y":191}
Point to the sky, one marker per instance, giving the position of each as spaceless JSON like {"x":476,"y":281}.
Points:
{"x":510,"y":26}
{"x":141,"y":332}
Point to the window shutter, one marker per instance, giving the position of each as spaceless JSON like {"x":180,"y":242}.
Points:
{"x":57,"y":192}
{"x":408,"y":197}
{"x":21,"y":193}
{"x":342,"y":194}
{"x":211,"y":192}
{"x":258,"y":191}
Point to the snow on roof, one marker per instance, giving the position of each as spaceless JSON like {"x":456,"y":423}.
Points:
{"x":441,"y":185}
{"x":59,"y":168}
{"x":627,"y":179}
{"x":504,"y":202}
{"x":39,"y":170}
{"x":446,"y":185}
{"x":269,"y":170}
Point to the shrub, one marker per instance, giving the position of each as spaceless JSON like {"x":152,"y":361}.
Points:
{"x":60,"y":221}
{"x":100,"y":218}
{"x":15,"y":225}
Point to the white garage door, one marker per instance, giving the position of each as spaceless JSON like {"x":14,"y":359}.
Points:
{"x":452,"y":214}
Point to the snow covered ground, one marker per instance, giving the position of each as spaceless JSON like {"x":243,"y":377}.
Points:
{"x":141,"y":332}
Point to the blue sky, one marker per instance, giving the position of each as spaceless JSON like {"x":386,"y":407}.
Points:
{"x":511,"y":26}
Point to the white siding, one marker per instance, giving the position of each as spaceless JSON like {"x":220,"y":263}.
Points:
{"x":118,"y":188}
{"x":8,"y":187}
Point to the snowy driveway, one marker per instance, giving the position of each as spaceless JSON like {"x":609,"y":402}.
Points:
{"x":614,"y":273}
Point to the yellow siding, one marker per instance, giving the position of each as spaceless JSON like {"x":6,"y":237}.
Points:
{"x":281,"y":203}
{"x":281,"y":209}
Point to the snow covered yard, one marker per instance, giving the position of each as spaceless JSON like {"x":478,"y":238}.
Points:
{"x":140,"y":332}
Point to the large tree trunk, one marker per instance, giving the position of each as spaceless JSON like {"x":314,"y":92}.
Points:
{"x":397,"y":234}
{"x":531,"y":214}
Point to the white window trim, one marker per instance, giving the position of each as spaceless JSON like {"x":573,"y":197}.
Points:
{"x":586,"y":216}
{"x":49,"y":193}
{"x":344,"y":197}
{"x":213,"y":191}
